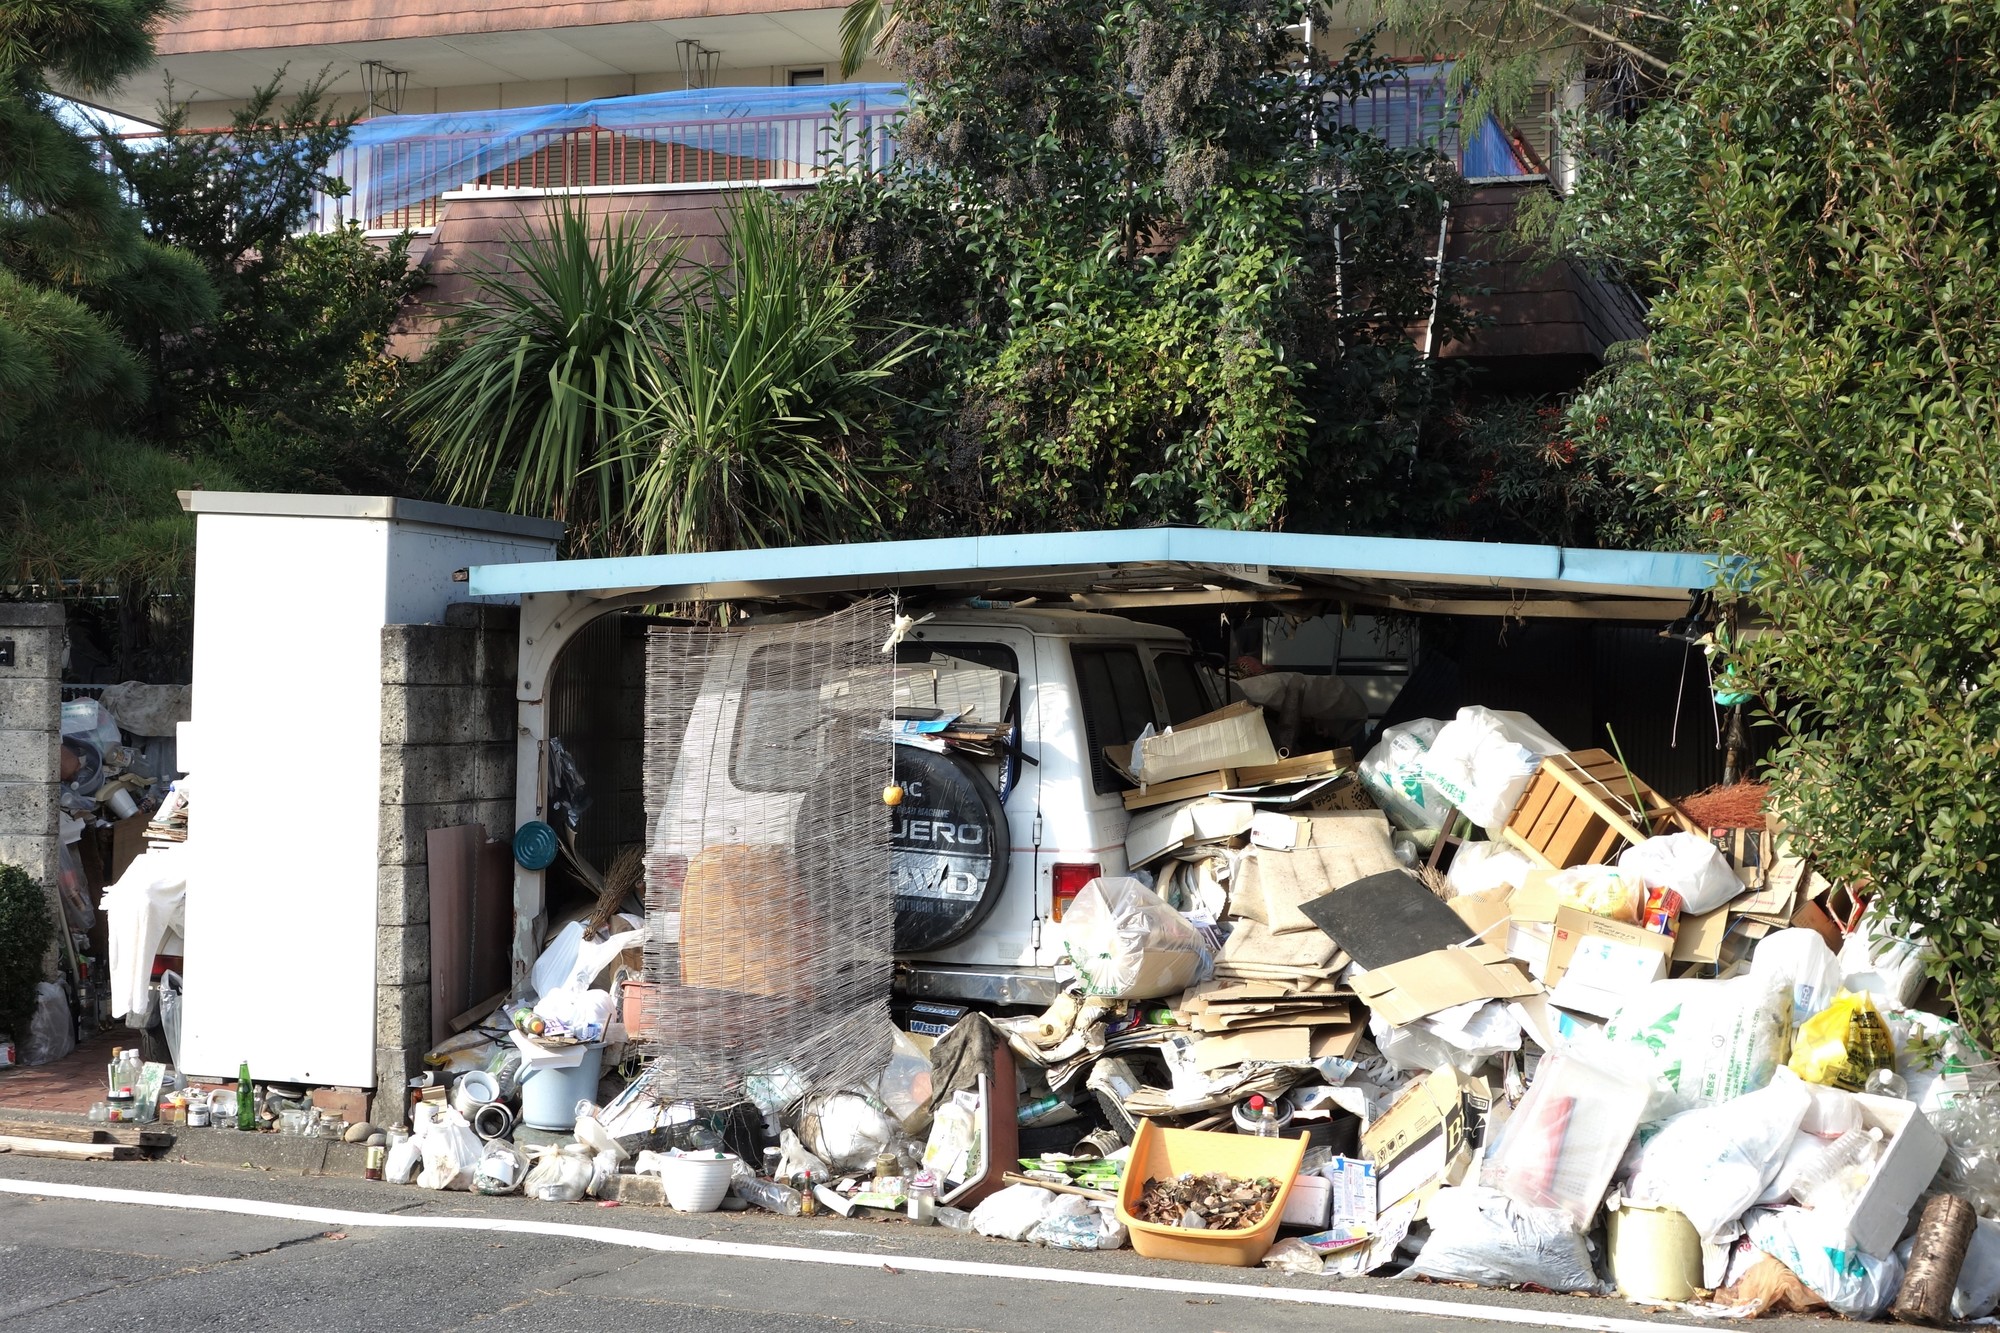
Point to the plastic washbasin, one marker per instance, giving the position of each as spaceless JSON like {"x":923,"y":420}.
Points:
{"x":1168,"y":1153}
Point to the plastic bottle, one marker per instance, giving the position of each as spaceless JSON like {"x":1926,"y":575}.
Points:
{"x":1267,"y":1118}
{"x":1824,"y":1183}
{"x":769,"y":1195}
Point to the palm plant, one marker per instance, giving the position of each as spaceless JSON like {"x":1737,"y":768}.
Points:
{"x":762,"y":433}
{"x":864,"y":26}
{"x":554,"y":366}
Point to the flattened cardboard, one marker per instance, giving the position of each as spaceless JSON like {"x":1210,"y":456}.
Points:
{"x":1431,"y":1136}
{"x":1152,"y":835}
{"x":1339,"y":1043}
{"x":1226,"y":738}
{"x":1276,"y":1045}
{"x":1386,"y":918}
{"x":1417,"y":987}
{"x":1482,"y":913}
{"x":1698,"y":938}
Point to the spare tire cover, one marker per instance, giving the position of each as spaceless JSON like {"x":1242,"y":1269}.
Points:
{"x":947,"y":849}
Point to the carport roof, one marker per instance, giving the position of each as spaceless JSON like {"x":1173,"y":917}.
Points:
{"x":1151,"y":566}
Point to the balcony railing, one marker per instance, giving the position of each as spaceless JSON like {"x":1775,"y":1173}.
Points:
{"x":399,"y":170}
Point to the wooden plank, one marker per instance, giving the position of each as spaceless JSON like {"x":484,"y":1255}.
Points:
{"x":144,"y":1136}
{"x":69,"y":1152}
{"x":1180,"y":789}
{"x":1300,"y":766}
{"x":1519,"y":843}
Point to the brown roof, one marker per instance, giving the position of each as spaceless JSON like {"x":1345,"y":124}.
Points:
{"x":255,"y":25}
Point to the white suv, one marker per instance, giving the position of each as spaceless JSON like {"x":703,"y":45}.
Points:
{"x":989,"y":852}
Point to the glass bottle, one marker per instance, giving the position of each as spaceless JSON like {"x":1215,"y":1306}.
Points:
{"x":246,"y":1098}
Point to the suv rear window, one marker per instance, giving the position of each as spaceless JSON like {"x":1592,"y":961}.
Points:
{"x":1181,"y":686}
{"x":1117,"y":705}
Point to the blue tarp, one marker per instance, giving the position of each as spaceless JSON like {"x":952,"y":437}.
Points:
{"x":405,"y":160}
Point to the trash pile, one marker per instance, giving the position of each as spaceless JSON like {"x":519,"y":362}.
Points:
{"x":1475,"y":1009}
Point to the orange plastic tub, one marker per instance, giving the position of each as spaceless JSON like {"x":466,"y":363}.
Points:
{"x":1165,"y":1153}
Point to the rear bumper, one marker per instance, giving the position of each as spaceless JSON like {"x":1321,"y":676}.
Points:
{"x":1034,"y":987}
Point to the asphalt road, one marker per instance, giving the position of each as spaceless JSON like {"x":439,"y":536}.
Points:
{"x":74,"y":1264}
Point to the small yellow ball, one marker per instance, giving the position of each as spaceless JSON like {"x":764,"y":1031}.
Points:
{"x":892,"y":795}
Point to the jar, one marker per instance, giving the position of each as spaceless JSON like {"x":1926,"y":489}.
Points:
{"x":197,"y":1109}
{"x":119,"y":1108}
{"x":372,"y":1164}
{"x":99,"y":1113}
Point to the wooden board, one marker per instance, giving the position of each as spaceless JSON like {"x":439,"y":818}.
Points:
{"x":1296,"y":768}
{"x":70,"y":1152}
{"x":1180,"y":789}
{"x":143,"y":1136}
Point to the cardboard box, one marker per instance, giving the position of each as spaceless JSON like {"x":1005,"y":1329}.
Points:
{"x":1596,"y":964}
{"x":1698,"y":938}
{"x":1404,"y":992}
{"x":1911,"y":1158}
{"x":1309,"y":1204}
{"x":1231,"y":737}
{"x":1431,"y":1136}
{"x":1353,"y":1202}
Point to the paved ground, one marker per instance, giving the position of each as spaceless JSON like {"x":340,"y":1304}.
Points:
{"x":70,"y":1264}
{"x":71,"y":1084}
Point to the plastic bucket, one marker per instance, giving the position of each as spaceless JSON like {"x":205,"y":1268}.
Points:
{"x":549,"y":1096}
{"x":1655,"y":1252}
{"x":696,"y":1183}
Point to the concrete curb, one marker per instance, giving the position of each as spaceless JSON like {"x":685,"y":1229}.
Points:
{"x":283,"y":1153}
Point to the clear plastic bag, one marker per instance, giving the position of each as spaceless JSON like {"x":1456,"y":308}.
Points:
{"x":501,"y":1169}
{"x":905,"y":1086}
{"x":50,"y":1035}
{"x":1481,"y":1236}
{"x":1606,"y":891}
{"x":1564,"y":1141}
{"x":1392,"y":772}
{"x":1127,"y":943}
{"x":560,"y":1175}
{"x":451,"y":1151}
{"x":1858,"y":1285}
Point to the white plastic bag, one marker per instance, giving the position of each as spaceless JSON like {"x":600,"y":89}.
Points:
{"x":1014,"y":1212}
{"x":1978,"y":1293}
{"x":1858,"y":1285}
{"x":1689,"y":865}
{"x":560,"y":1175}
{"x":401,"y":1164}
{"x":1481,"y":1236}
{"x":1480,"y":866}
{"x":1128,"y":944}
{"x":1799,"y":960}
{"x":1484,"y":759}
{"x":502,"y":1167}
{"x":1714,"y":1163}
{"x":1393,"y":774}
{"x":50,"y":1035}
{"x":1710,"y":1041}
{"x":845,"y":1129}
{"x":451,"y":1151}
{"x":1886,"y":964}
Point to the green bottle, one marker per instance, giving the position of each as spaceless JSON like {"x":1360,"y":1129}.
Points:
{"x":246,"y":1099}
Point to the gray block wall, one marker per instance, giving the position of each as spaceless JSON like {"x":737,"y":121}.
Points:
{"x":448,"y":733}
{"x":31,"y":738}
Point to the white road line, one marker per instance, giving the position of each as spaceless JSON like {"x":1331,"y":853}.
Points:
{"x":649,"y":1240}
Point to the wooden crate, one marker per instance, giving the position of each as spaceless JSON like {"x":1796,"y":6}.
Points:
{"x":1582,"y":809}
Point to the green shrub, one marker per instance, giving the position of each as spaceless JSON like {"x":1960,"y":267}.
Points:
{"x":26,"y":930}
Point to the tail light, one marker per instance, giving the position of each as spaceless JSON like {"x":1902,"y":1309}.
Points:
{"x":1068,"y":879}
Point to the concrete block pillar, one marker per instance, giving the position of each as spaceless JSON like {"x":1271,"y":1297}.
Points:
{"x":31,"y":655}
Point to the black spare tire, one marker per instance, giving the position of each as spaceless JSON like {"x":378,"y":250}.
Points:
{"x":947,"y":850}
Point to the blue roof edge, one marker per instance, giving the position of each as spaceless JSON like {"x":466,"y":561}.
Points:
{"x":891,"y":564}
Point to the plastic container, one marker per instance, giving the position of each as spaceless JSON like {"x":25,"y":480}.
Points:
{"x":696,"y":1182}
{"x":549,"y":1096}
{"x":1159,"y":1153}
{"x":1655,"y":1252}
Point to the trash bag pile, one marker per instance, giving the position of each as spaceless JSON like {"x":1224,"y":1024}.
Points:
{"x":1480,"y":1009}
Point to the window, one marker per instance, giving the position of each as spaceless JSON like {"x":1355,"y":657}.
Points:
{"x":806,"y":78}
{"x":1117,"y":705}
{"x":1182,"y":687}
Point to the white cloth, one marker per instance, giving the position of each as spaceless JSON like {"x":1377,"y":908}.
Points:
{"x":148,"y":901}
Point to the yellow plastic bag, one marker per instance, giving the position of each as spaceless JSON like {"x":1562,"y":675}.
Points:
{"x":1842,"y":1043}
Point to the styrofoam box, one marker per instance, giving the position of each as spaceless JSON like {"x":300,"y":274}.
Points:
{"x":1310,"y":1202}
{"x":1914,"y":1153}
